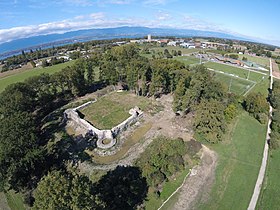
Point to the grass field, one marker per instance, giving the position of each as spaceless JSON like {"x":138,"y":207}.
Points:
{"x":240,"y":157}
{"x":234,"y":70}
{"x":269,"y":197}
{"x":233,"y":84}
{"x":112,"y":109}
{"x":170,"y":48}
{"x":15,"y":201}
{"x":187,"y":60}
{"x":153,"y":202}
{"x":21,"y":76}
{"x":257,"y":59}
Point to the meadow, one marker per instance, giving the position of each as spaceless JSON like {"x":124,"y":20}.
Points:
{"x":239,"y":160}
{"x":21,"y":76}
{"x":269,"y":197}
{"x":112,"y":109}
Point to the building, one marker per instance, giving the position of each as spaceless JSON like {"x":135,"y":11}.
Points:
{"x":172,"y":43}
{"x":149,"y":37}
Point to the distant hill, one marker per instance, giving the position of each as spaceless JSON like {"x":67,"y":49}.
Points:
{"x":97,"y":34}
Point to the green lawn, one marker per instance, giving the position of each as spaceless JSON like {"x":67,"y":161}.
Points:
{"x":233,"y":84}
{"x":20,"y":77}
{"x":234,"y":70}
{"x":153,"y":202}
{"x":256,"y":59}
{"x":187,"y":60}
{"x":240,"y":156}
{"x":170,"y":48}
{"x":112,"y":109}
{"x":269,"y":197}
{"x":15,"y":200}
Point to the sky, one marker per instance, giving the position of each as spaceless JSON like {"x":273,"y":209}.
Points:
{"x":257,"y":19}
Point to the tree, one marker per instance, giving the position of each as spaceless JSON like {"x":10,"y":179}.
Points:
{"x":210,"y":121}
{"x":230,"y":112}
{"x":256,"y":104}
{"x":122,"y":188}
{"x":63,"y":190}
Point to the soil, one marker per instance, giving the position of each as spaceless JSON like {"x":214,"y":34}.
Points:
{"x":198,"y":185}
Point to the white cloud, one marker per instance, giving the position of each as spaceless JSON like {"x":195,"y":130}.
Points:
{"x":95,"y":20}
{"x":163,"y":16}
{"x":157,"y":2}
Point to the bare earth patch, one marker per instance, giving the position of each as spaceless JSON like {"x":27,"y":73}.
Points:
{"x":198,"y":185}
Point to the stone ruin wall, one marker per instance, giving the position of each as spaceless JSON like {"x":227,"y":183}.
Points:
{"x":71,"y":114}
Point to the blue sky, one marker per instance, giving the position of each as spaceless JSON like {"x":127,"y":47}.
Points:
{"x":253,"y":18}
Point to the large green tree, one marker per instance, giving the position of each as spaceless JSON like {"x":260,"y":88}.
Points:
{"x":65,"y":191}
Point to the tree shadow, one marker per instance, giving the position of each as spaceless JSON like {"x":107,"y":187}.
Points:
{"x":123,"y":188}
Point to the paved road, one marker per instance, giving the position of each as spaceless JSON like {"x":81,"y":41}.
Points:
{"x":261,"y":175}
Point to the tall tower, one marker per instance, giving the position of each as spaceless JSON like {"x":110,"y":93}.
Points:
{"x":149,"y":37}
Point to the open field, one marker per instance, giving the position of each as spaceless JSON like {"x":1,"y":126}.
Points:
{"x":243,"y":73}
{"x":170,"y":48}
{"x":187,"y":60}
{"x":112,"y":109}
{"x":269,"y":197}
{"x":233,"y":84}
{"x":240,"y":157}
{"x":21,"y":76}
{"x":257,"y":59}
{"x":134,"y":138}
{"x":154,"y":202}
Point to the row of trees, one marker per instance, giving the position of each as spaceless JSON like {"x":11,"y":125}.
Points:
{"x":274,"y":98}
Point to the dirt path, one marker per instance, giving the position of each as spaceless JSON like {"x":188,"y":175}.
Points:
{"x":3,"y":202}
{"x":198,"y":184}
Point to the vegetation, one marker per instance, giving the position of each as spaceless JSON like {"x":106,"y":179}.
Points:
{"x":21,"y":76}
{"x":274,"y":99}
{"x":240,"y":156}
{"x":234,"y":70}
{"x":270,"y":188}
{"x":164,"y":159}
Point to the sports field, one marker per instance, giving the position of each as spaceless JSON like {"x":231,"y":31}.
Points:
{"x":243,"y":73}
{"x":187,"y":60}
{"x":21,"y":76}
{"x":240,"y":156}
{"x":234,"y":85}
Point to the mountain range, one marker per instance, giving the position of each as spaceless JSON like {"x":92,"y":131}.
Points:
{"x":43,"y":41}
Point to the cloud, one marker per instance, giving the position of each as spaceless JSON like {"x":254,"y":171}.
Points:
{"x":157,"y":2}
{"x":95,"y":20}
{"x":163,"y":16}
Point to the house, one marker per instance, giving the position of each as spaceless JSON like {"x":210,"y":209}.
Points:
{"x":172,"y":43}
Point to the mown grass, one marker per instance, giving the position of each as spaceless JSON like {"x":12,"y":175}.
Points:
{"x":134,"y":138}
{"x":269,"y":197}
{"x":112,"y":109}
{"x":15,"y":200}
{"x":187,"y":60}
{"x":21,"y":76}
{"x":240,"y":156}
{"x":256,"y":59}
{"x":153,"y":202}
{"x":233,"y":84}
{"x":234,"y":70}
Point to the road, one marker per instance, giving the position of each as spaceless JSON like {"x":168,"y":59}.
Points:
{"x":261,"y":175}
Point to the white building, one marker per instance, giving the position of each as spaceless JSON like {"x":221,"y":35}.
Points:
{"x":172,"y":43}
{"x":149,"y":37}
